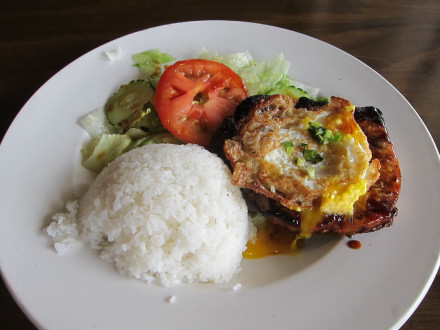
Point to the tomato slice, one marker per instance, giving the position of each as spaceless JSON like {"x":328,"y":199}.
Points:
{"x":194,"y":96}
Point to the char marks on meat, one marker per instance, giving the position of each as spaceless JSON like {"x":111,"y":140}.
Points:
{"x":373,"y":211}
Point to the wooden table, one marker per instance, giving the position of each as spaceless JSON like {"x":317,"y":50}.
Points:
{"x":399,"y":39}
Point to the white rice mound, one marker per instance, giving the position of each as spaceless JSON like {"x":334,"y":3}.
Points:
{"x":167,"y":213}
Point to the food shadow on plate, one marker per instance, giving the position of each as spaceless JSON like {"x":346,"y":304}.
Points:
{"x":264,"y":271}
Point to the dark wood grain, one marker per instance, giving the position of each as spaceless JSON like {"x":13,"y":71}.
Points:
{"x":398,"y":39}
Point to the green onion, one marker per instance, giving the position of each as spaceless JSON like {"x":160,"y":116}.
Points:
{"x":300,"y":161}
{"x":312,"y":156}
{"x":309,"y":155}
{"x":310,"y":172}
{"x":322,"y":134}
{"x":303,"y":146}
{"x":288,"y":145}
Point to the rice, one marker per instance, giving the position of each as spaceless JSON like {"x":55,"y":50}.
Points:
{"x":167,"y":213}
{"x":63,"y":230}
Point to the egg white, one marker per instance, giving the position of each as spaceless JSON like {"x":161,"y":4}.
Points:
{"x":339,"y":180}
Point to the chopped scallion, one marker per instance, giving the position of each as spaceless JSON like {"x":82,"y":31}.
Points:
{"x":300,"y":161}
{"x":322,"y":134}
{"x":312,"y":156}
{"x":288,"y":145}
{"x":310,"y":172}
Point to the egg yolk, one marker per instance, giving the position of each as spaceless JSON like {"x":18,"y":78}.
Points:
{"x":341,"y":197}
{"x":339,"y":177}
{"x":271,"y":240}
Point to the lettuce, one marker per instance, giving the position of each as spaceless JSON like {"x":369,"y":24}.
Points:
{"x":102,"y":150}
{"x":235,"y":61}
{"x":259,"y":77}
{"x":151,"y":64}
{"x":266,"y":77}
{"x":95,"y":123}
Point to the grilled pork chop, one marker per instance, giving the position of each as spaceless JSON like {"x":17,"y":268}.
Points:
{"x":374,"y":210}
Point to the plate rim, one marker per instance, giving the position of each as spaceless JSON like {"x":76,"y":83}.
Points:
{"x":427,"y":285}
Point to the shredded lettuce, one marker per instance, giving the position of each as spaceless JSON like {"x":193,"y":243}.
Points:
{"x":264,"y":77}
{"x":102,"y":150}
{"x":95,"y":123}
{"x":151,"y":63}
{"x":270,"y":72}
{"x":164,"y":137}
{"x":136,"y":133}
{"x":259,"y":77}
{"x":235,"y":61}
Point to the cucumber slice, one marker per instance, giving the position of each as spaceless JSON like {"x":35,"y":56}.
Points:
{"x":128,"y":102}
{"x":151,"y":121}
{"x":292,"y":91}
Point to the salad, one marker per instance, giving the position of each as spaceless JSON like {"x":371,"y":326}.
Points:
{"x":181,"y":101}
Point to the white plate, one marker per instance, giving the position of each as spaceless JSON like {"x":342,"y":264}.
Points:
{"x":327,"y":285}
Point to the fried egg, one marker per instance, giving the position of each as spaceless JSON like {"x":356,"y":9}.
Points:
{"x":316,"y":162}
